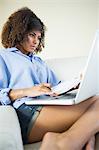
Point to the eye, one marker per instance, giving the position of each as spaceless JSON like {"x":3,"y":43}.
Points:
{"x":34,"y":36}
{"x":31,"y":34}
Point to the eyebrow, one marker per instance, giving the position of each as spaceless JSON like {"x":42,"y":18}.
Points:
{"x":35,"y":34}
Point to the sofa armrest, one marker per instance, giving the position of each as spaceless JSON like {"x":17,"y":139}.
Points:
{"x":10,"y":133}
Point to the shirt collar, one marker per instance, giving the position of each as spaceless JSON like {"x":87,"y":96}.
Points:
{"x":14,"y":49}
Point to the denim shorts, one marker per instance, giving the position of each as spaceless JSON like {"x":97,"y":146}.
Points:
{"x":27,"y":115}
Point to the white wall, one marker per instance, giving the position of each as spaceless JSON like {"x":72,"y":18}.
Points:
{"x":98,"y":12}
{"x":71,"y":24}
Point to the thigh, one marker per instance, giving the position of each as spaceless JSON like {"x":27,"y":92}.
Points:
{"x":57,"y":119}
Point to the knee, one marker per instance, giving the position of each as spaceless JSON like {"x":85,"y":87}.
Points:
{"x":96,"y":97}
{"x":95,"y":104}
{"x":94,"y":100}
{"x":47,"y":135}
{"x":50,"y":136}
{"x":50,"y":141}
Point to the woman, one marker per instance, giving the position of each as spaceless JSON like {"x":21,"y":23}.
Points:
{"x":24,"y":76}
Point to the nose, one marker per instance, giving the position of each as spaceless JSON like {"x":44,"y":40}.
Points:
{"x":35,"y":40}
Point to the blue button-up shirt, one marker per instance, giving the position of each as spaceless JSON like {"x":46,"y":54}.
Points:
{"x":18,"y":70}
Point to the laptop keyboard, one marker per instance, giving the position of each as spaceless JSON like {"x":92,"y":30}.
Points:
{"x":69,"y":95}
{"x":66,"y":96}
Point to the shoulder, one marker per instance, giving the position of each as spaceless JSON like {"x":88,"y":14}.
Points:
{"x":2,"y":61}
{"x":3,"y":51}
{"x":4,"y":54}
{"x":7,"y":50}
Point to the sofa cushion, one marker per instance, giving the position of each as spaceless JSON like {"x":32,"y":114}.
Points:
{"x":34,"y":146}
{"x":67,"y":68}
{"x":10,"y":133}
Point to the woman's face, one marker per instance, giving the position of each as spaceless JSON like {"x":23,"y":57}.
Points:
{"x":30,"y":42}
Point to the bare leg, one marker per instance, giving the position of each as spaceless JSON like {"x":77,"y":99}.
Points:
{"x":57,"y":119}
{"x":78,"y":134}
{"x":84,"y":128}
{"x":50,"y":142}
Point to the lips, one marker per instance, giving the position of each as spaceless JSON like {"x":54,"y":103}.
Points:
{"x":34,"y":47}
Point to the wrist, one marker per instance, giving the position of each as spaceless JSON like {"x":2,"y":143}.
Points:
{"x":17,"y":93}
{"x":26,"y":92}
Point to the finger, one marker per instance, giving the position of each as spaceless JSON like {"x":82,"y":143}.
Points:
{"x":46,"y":85}
{"x":91,"y":144}
{"x":54,"y":94}
{"x":45,"y":89}
{"x":49,"y":93}
{"x":81,"y":75}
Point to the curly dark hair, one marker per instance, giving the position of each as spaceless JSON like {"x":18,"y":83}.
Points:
{"x":18,"y":25}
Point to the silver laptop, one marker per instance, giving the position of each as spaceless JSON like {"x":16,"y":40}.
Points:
{"x":89,"y":85}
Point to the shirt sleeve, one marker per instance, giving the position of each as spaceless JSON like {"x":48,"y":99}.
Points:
{"x":51,"y":76}
{"x":4,"y":80}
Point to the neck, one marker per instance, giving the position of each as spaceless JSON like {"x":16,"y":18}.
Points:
{"x":22,"y":49}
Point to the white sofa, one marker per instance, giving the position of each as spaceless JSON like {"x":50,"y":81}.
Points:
{"x":10,"y":134}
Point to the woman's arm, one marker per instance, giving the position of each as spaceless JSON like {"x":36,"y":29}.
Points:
{"x":44,"y":88}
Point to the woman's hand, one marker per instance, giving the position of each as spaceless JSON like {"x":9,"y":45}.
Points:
{"x":41,"y":89}
{"x":90,"y":144}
